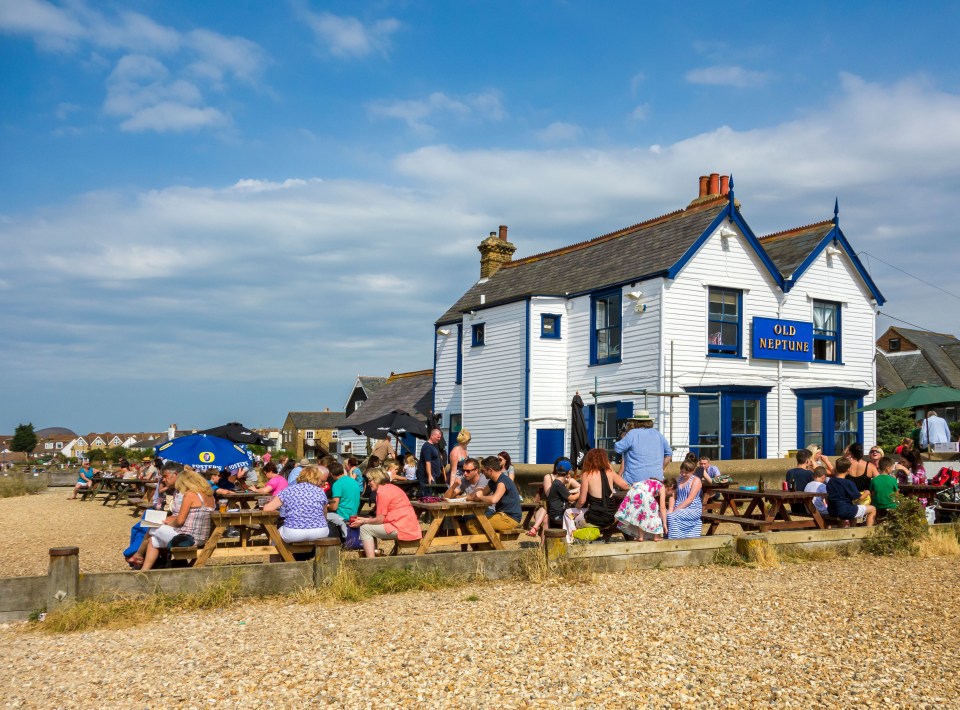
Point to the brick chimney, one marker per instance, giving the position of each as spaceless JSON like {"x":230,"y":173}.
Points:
{"x":712,"y":186}
{"x":495,"y":251}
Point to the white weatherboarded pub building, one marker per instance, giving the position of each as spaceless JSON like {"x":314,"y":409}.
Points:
{"x":739,"y":346}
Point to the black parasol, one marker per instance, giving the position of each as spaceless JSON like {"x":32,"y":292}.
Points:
{"x":579,"y":441}
{"x":237,"y":433}
{"x":396,"y":422}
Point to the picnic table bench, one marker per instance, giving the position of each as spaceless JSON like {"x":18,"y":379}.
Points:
{"x":766,"y":511}
{"x":455,"y":511}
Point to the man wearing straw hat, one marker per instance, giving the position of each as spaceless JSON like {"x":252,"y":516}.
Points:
{"x":645,"y":450}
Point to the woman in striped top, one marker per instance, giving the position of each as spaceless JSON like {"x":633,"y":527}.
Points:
{"x":192,"y":518}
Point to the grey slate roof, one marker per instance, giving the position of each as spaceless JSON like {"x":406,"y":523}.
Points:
{"x":914,"y":369}
{"x":315,"y":420}
{"x":371,"y":384}
{"x":410,"y":392}
{"x":642,"y":250}
{"x":933,"y":345}
{"x":789,"y":249}
{"x":887,"y":376}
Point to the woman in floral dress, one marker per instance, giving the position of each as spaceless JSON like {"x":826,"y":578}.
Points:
{"x":643,"y":512}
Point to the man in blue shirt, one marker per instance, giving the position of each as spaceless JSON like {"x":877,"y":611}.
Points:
{"x":430,"y":468}
{"x":645,"y":450}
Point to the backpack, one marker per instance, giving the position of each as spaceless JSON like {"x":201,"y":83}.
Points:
{"x":352,"y":540}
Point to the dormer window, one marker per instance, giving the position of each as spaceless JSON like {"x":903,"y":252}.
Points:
{"x":893,"y":345}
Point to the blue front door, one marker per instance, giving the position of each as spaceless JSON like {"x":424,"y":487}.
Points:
{"x":549,"y":445}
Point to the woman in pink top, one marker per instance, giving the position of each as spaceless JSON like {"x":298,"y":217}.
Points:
{"x":275,"y":482}
{"x":395,"y":518}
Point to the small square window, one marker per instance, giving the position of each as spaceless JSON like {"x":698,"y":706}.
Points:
{"x":893,"y":345}
{"x":549,"y":325}
{"x":478,"y":335}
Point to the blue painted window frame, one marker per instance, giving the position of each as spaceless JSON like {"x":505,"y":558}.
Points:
{"x":826,"y":335}
{"x":611,"y":294}
{"x":478,"y":334}
{"x":544,"y":319}
{"x":621,"y":409}
{"x":722,"y":349}
{"x":459,"y":379}
{"x":728,"y":394}
{"x":828,"y":397}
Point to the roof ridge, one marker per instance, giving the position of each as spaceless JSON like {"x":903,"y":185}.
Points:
{"x":613,"y":235}
{"x":415,"y":373}
{"x":922,"y":330}
{"x":793,"y":230}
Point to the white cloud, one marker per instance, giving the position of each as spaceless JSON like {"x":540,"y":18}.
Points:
{"x":559,"y":132}
{"x":640,"y":113}
{"x":421,"y":114}
{"x":187,"y":284}
{"x":348,"y":37}
{"x":141,"y":92}
{"x":635,"y":81}
{"x":159,"y":79}
{"x":728,"y":75}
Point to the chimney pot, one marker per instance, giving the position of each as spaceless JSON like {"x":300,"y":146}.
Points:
{"x":503,"y":232}
{"x":493,"y":234}
{"x":704,"y":179}
{"x":495,"y":252}
{"x":724,"y":184}
{"x":714,"y":184}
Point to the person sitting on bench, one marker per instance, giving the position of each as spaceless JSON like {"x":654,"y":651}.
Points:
{"x":303,"y":507}
{"x":192,"y":517}
{"x":843,"y":496}
{"x":502,"y":494}
{"x":818,"y":485}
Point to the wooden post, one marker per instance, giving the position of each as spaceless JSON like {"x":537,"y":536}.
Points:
{"x":63,"y":577}
{"x":326,"y":564}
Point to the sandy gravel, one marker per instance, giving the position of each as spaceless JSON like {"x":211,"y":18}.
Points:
{"x":31,"y":525}
{"x":861,"y":632}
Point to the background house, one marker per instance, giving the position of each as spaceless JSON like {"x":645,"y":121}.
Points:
{"x":411,"y":392}
{"x":907,"y":357}
{"x":310,"y":434}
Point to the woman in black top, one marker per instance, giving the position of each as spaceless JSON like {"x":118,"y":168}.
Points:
{"x":596,"y":504}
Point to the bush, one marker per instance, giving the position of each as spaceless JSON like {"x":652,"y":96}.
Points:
{"x":900,"y":531}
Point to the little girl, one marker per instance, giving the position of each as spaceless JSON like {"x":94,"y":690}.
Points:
{"x":561,"y":494}
{"x":410,"y":467}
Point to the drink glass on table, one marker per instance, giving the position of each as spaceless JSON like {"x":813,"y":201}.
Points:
{"x":223,"y":505}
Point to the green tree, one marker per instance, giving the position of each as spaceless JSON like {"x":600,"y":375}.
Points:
{"x":24,"y":438}
{"x":892,"y":426}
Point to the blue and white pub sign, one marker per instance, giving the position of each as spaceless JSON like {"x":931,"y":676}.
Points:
{"x":775,"y":339}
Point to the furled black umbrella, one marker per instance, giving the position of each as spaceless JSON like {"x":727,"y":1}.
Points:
{"x":579,"y":442}
{"x":237,"y":433}
{"x":396,"y":422}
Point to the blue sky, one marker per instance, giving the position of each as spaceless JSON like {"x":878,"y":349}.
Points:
{"x":227,"y":210}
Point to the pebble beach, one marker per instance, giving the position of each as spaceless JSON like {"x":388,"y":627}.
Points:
{"x":859,"y":631}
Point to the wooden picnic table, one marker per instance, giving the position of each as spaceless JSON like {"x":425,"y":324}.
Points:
{"x":246,"y":522}
{"x":119,"y":488}
{"x":917,"y":490}
{"x":241,"y":499}
{"x":765,"y":511}
{"x":456,"y":512}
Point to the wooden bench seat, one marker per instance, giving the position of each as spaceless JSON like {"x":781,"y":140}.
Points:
{"x":832,"y":522}
{"x":743,"y":522}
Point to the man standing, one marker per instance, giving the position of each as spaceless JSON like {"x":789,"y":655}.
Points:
{"x":645,"y":450}
{"x":934,"y":430}
{"x":429,"y":468}
{"x":384,"y":448}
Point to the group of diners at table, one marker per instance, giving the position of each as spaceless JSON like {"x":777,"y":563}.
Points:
{"x":323,"y":499}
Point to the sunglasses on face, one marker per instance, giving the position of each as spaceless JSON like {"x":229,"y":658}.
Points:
{"x":469,"y":470}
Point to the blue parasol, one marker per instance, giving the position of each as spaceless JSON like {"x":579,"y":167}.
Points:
{"x":204,"y":452}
